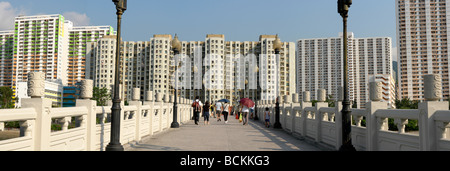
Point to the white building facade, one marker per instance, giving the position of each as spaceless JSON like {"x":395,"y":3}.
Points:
{"x":213,"y":69}
{"x":320,"y":65}
{"x":422,"y":40}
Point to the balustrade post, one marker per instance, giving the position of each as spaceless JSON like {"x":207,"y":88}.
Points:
{"x":427,"y":125}
{"x":287,"y":105}
{"x":64,"y":122}
{"x":86,"y":93}
{"x":372,"y":122}
{"x":148,"y":97}
{"x":91,"y":123}
{"x":138,"y":115}
{"x":169,"y":109}
{"x":179,"y":110}
{"x":441,"y":130}
{"x":26,"y":128}
{"x":295,"y":104}
{"x":160,"y":104}
{"x":304,"y":115}
{"x":42,"y":125}
{"x":149,"y":100}
{"x":321,"y":98}
{"x":338,"y":117}
{"x":182,"y":110}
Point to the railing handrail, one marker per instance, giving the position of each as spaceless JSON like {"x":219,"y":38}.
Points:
{"x":68,"y":111}
{"x":325,"y":125}
{"x":327,"y":110}
{"x":17,"y":114}
{"x":442,"y":115}
{"x":398,"y":113}
{"x":358,"y":112}
{"x":310,"y":109}
{"x":101,"y":109}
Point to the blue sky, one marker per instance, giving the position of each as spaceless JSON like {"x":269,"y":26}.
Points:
{"x":239,"y":20}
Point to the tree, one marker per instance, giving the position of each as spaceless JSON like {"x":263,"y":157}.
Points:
{"x":101,"y":95}
{"x":406,"y":103}
{"x":330,"y":101}
{"x":6,"y":95}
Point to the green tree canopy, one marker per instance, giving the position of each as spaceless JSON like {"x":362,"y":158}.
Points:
{"x":101,"y":95}
{"x":406,"y":103}
{"x":6,"y":96}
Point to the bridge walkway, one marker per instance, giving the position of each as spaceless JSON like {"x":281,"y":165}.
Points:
{"x":218,"y":136}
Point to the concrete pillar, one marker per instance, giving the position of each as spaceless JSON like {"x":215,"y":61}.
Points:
{"x":376,"y":91}
{"x":36,"y":84}
{"x":294,"y":98}
{"x":321,"y":95}
{"x":306,"y":96}
{"x":136,"y":96}
{"x":433,"y":87}
{"x":159,"y":97}
{"x":91,"y":120}
{"x":87,"y":88}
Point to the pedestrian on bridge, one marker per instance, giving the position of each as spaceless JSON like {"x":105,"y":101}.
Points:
{"x":213,"y":109}
{"x":197,"y":105}
{"x":206,"y":109}
{"x":225,"y":110}
{"x":267,"y":117}
{"x":218,"y":110}
{"x":244,"y":110}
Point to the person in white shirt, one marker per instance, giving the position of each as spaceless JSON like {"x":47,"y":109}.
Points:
{"x":245,"y":111}
{"x":197,"y":109}
{"x":225,"y":111}
{"x":219,"y":110}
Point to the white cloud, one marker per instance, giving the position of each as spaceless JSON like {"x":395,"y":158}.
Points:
{"x":7,"y":16}
{"x":77,"y":18}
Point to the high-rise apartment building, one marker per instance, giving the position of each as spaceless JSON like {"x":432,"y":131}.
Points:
{"x":78,"y":38}
{"x":6,"y":54}
{"x":49,"y":44}
{"x":422,"y":35}
{"x":320,"y":65}
{"x":212,"y":69}
{"x":40,"y":45}
{"x":101,"y":59}
{"x":160,"y":55}
{"x":372,"y":57}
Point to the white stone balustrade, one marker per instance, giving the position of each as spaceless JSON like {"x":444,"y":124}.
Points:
{"x":92,"y":131}
{"x":323,"y":124}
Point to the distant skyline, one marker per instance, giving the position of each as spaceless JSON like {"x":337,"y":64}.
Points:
{"x":238,"y":20}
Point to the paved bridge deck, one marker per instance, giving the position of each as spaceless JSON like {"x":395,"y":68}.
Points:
{"x":219,"y":136}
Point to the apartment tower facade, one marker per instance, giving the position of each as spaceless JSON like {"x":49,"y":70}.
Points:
{"x":320,"y":66}
{"x":422,"y":35}
{"x":6,"y":57}
{"x":79,"y":36}
{"x":213,"y":69}
{"x":40,"y":45}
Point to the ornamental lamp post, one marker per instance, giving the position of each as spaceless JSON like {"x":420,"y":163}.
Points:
{"x":114,"y":144}
{"x":343,"y":8}
{"x":277,"y":47}
{"x":176,"y":47}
